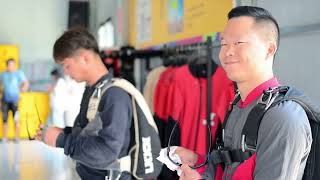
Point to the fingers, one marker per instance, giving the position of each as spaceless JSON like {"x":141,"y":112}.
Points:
{"x":185,"y":168}
{"x":187,"y":156}
{"x":188,"y":173}
{"x":38,"y":135}
{"x":184,"y":172}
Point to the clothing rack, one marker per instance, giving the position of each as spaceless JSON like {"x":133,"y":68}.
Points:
{"x":169,"y":50}
{"x":166,"y":50}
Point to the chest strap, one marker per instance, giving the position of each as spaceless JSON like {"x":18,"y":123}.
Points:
{"x":229,"y":156}
{"x":250,"y":131}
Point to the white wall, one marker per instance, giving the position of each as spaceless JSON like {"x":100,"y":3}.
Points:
{"x":293,"y":12}
{"x":33,"y":25}
{"x":298,"y":59}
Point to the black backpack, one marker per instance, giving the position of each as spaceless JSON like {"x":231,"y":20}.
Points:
{"x":271,"y":98}
{"x":145,"y":144}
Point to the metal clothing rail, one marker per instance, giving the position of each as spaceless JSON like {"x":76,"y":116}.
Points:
{"x":165,"y":51}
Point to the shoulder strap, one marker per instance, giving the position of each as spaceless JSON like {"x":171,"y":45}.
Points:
{"x":313,"y":112}
{"x":250,"y":131}
{"x":124,"y":85}
{"x":235,"y":101}
{"x":220,"y":130}
{"x":251,"y":127}
{"x":96,"y":97}
{"x":138,"y":97}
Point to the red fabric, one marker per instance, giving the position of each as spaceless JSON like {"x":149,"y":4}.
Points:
{"x":245,"y":170}
{"x":188,"y":96}
{"x":219,"y":173}
{"x":256,"y":92}
{"x":160,"y":101}
{"x":201,"y":159}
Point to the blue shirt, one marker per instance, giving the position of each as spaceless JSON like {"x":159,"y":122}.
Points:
{"x":11,"y":82}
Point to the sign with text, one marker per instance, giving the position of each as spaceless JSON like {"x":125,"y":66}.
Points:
{"x":174,"y":20}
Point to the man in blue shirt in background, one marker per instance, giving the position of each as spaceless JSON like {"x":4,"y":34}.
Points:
{"x":13,"y":82}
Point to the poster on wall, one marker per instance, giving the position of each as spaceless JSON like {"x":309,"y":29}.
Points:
{"x":143,"y":14}
{"x":175,"y":16}
{"x":155,"y":22}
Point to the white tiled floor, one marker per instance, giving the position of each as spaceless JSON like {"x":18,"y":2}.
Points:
{"x":33,"y":160}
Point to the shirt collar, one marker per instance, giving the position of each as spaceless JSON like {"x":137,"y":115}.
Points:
{"x":104,"y":77}
{"x":256,"y":92}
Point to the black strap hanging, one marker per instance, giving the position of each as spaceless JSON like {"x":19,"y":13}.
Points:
{"x":209,"y":78}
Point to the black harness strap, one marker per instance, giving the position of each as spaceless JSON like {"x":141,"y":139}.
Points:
{"x":251,"y":127}
{"x":250,"y":130}
{"x":219,"y":133}
{"x":230,"y":156}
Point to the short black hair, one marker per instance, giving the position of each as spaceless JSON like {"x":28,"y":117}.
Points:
{"x":259,"y":15}
{"x":73,"y":40}
{"x":55,"y":72}
{"x":9,"y":61}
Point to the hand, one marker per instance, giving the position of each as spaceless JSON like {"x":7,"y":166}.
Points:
{"x":24,"y":87}
{"x":188,"y":174}
{"x":187,"y":156}
{"x":48,"y":135}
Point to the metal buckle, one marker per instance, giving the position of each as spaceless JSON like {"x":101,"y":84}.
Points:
{"x":271,"y":97}
{"x":222,"y":135}
{"x":244,"y":146}
{"x":235,"y":97}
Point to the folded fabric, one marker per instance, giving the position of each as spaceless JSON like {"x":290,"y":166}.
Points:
{"x":163,"y":157}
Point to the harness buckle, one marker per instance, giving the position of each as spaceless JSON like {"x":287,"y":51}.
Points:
{"x":271,"y":95}
{"x":244,"y":146}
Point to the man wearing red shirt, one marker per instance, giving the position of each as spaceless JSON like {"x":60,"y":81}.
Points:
{"x":248,"y":46}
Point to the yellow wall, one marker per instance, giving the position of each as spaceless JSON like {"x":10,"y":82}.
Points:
{"x":7,"y":52}
{"x":28,"y":113}
{"x":200,"y":17}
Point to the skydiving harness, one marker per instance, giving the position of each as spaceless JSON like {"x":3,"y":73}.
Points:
{"x":249,"y":135}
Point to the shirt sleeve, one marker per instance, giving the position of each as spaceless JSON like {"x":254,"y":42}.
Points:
{"x":100,"y":151}
{"x":284,"y":142}
{"x":22,"y":77}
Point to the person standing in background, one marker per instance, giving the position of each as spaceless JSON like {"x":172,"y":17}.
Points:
{"x":13,"y":83}
{"x":74,"y":91}
{"x":58,"y":98}
{"x":65,"y":97}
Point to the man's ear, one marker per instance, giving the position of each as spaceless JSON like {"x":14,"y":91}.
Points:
{"x":272,"y":48}
{"x":83,"y":57}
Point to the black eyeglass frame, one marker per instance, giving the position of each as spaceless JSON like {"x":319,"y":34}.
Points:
{"x":207,"y":156}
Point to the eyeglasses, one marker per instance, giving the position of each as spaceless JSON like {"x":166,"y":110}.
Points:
{"x":207,"y":156}
{"x":39,"y":121}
